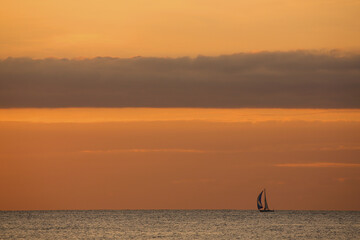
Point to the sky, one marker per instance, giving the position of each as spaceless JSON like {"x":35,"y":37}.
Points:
{"x":90,"y":28}
{"x":179,"y":104}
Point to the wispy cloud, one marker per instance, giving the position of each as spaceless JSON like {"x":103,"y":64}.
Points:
{"x":317,"y":165}
{"x":95,"y":115}
{"x":195,"y":181}
{"x":287,"y":148}
{"x":144,"y":150}
{"x":340,"y":148}
{"x":299,"y":79}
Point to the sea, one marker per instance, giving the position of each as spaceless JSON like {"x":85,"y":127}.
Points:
{"x":179,"y":224}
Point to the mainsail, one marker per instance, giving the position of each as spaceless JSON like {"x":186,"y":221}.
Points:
{"x":259,"y":204}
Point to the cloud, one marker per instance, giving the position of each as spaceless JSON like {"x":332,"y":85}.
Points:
{"x":253,"y":149}
{"x":142,"y":150}
{"x":317,"y":165}
{"x":299,"y":79}
{"x":245,"y":115}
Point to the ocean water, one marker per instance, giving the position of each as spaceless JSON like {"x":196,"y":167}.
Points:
{"x":179,"y":224}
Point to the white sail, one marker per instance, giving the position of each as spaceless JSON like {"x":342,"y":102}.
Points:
{"x":266,"y":205}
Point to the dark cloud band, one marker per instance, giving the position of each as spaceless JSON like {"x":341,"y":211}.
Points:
{"x":297,"y":79}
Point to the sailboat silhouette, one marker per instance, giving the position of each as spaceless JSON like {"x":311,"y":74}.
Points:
{"x":259,"y":203}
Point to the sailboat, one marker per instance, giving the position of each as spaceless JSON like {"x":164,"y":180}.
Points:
{"x":259,"y":203}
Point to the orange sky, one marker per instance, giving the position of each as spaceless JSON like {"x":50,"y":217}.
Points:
{"x":179,"y":158}
{"x":173,"y":158}
{"x":89,"y":28}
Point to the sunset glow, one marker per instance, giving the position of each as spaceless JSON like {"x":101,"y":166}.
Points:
{"x":88,"y":28}
{"x":62,"y":158}
{"x":179,"y":104}
{"x":92,"y":115}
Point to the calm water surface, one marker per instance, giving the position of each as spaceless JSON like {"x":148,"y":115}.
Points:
{"x":179,"y":224}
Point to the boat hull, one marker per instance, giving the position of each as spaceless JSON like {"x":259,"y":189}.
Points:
{"x":266,"y":210}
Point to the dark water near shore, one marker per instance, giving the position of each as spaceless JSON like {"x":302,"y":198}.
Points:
{"x":179,"y":224}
